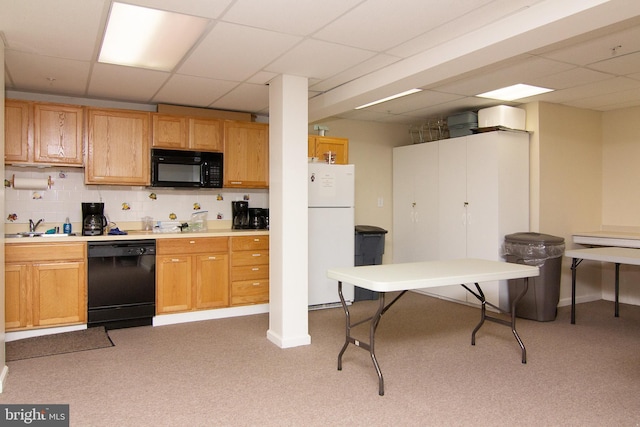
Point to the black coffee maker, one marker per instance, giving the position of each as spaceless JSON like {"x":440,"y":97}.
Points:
{"x":240,"y":214}
{"x":94,"y":222}
{"x":256,"y":218}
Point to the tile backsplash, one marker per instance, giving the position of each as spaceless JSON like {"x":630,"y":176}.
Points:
{"x":122,"y":204}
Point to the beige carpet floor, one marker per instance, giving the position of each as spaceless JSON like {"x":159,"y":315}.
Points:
{"x":226,"y":373}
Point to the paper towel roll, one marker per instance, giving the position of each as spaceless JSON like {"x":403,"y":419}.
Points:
{"x":30,"y":183}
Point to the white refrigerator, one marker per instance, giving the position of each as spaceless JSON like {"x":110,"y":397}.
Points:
{"x":331,"y":230}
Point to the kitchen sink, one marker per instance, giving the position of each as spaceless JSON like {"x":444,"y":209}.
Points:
{"x":35,"y":234}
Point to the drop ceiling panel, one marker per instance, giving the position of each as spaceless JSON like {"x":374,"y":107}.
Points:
{"x":235,"y":52}
{"x":125,"y":83}
{"x":599,"y":49}
{"x":38,"y":27}
{"x":620,"y":65}
{"x":194,"y":91}
{"x":363,"y":68}
{"x":302,"y":17}
{"x":408,"y":19}
{"x":569,"y":78}
{"x":527,"y":69}
{"x":570,"y":95}
{"x":609,"y":101}
{"x":314,"y":58}
{"x":47,"y":74}
{"x":464,"y":23}
{"x":246,"y":97}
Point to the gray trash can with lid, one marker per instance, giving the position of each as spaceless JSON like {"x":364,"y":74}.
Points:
{"x":545,"y":252}
{"x":369,"y":248}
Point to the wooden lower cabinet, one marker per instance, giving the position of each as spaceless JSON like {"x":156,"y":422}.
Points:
{"x":249,"y":270}
{"x":192,"y":274}
{"x":45,"y":285}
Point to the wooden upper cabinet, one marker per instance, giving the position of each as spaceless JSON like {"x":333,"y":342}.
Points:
{"x":117,"y":147}
{"x":18,"y":132}
{"x":182,"y":133}
{"x":246,"y":154}
{"x":169,"y":131}
{"x":318,"y":145}
{"x":205,"y":134}
{"x":57,"y":134}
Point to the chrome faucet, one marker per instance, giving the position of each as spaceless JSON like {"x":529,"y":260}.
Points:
{"x":32,"y":226}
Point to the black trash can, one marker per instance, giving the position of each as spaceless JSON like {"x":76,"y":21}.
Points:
{"x":369,"y":248}
{"x":545,"y":252}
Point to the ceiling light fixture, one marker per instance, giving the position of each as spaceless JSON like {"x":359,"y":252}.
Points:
{"x":148,"y":38}
{"x":389,"y":98}
{"x":514,"y":92}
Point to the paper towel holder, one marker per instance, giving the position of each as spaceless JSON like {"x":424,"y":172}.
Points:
{"x":49,"y":182}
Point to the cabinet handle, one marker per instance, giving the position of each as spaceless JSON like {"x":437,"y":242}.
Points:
{"x":236,"y":182}
{"x":255,"y":269}
{"x":212,"y":257}
{"x":175,"y":260}
{"x":256,"y":283}
{"x":255,"y":254}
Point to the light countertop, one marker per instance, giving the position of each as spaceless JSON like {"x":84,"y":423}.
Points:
{"x":137,"y":235}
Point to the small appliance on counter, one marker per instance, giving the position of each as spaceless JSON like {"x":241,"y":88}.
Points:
{"x":240,"y":214}
{"x":94,"y":222}
{"x":257,"y":219}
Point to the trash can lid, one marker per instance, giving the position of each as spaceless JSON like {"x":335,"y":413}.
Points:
{"x":531,"y":237}
{"x":369,"y":229}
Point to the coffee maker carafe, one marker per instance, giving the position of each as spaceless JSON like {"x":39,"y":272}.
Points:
{"x":240,"y":214}
{"x":93,"y":220}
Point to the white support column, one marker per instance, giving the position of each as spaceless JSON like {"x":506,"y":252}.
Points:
{"x":288,"y":229}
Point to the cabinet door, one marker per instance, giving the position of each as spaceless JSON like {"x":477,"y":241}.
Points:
{"x":415,"y":203}
{"x":212,"y":281}
{"x":59,"y":293}
{"x":117,"y":148}
{"x":169,"y":131}
{"x":452,"y":199}
{"x":173,"y":283}
{"x":340,"y":146}
{"x":18,"y":143}
{"x":58,"y":137}
{"x":246,"y":155}
{"x":17,"y":297}
{"x":205,"y":134}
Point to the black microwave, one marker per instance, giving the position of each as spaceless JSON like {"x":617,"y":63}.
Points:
{"x":176,"y":168}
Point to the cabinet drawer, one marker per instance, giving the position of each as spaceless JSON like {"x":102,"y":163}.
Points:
{"x":37,"y":252}
{"x":250,"y":272}
{"x":249,"y":292}
{"x":250,"y":258}
{"x":249,"y":243}
{"x":192,"y":246}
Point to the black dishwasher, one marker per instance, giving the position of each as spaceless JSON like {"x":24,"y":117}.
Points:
{"x":121,"y":283}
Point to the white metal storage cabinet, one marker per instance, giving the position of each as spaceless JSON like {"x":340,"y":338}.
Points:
{"x":481,"y":193}
{"x":415,"y":211}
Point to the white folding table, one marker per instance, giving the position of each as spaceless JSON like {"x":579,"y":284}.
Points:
{"x":615,"y":255}
{"x":407,"y":276}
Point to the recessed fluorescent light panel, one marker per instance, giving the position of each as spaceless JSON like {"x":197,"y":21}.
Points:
{"x":514,"y":92}
{"x":389,"y":98}
{"x":148,"y":38}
